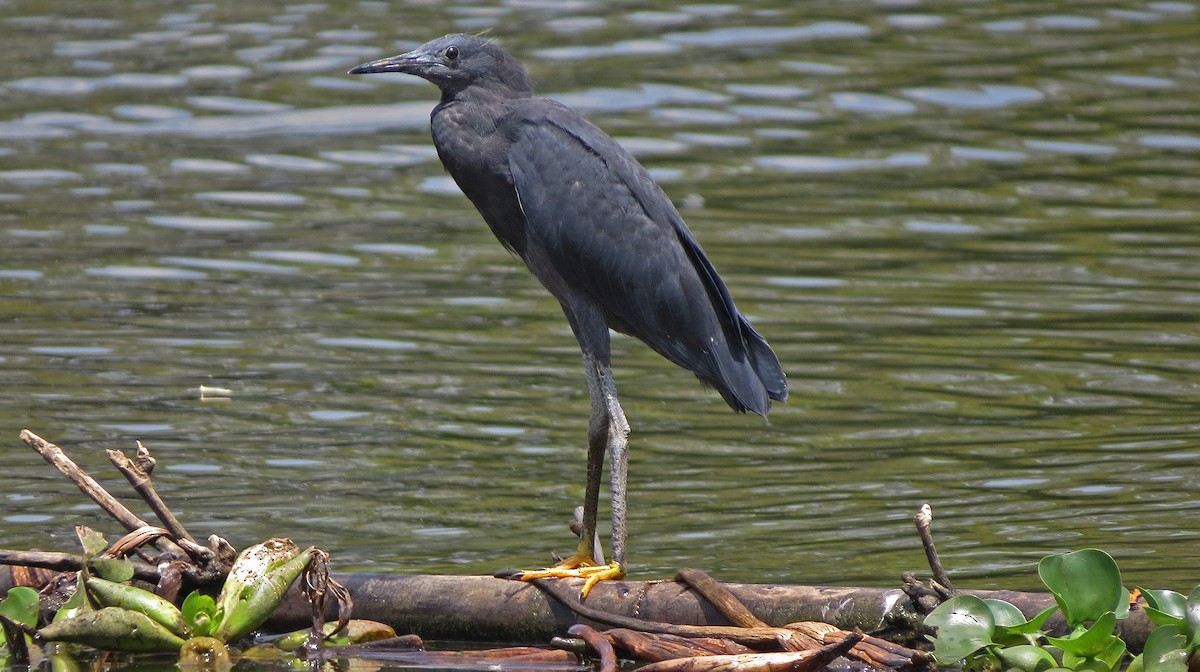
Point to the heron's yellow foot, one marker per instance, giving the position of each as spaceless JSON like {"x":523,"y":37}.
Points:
{"x":577,"y":567}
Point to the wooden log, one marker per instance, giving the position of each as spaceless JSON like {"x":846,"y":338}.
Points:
{"x":483,"y":608}
{"x":486,"y":609}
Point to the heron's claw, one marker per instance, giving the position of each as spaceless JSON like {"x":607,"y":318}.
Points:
{"x":576,"y":567}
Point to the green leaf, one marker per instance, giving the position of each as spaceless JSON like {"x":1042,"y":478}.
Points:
{"x":200,"y":612}
{"x":1091,"y":642}
{"x":1029,"y":632}
{"x":114,"y":629}
{"x":1086,"y":584}
{"x":1166,"y":602}
{"x":1114,"y":654}
{"x":92,"y":541}
{"x":964,"y":624}
{"x":117,"y":570}
{"x":1004,"y":614}
{"x":21,"y":606}
{"x":1027,"y":658}
{"x":1192,"y":617}
{"x":983,"y":660}
{"x":1121,"y":610}
{"x":75,"y":605}
{"x":1162,"y":618}
{"x":257,"y":583}
{"x":1165,"y":650}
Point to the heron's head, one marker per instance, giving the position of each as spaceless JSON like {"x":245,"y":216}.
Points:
{"x":456,"y":63}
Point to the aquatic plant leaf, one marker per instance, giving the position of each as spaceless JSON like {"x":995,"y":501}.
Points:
{"x":1086,"y":584}
{"x":200,"y":612}
{"x":92,"y":541}
{"x":1026,"y":632}
{"x":117,"y":570}
{"x":1192,"y":618}
{"x":1165,"y":607}
{"x":113,"y":629}
{"x":964,"y":625}
{"x":1004,"y":614}
{"x":75,"y":605}
{"x":1165,"y":650}
{"x":162,"y":611}
{"x":1026,"y":657}
{"x":21,"y":606}
{"x":1091,"y":642}
{"x":257,"y":583}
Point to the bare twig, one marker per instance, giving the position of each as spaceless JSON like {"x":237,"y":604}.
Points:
{"x":720,"y":597}
{"x":130,"y":543}
{"x":66,"y":562}
{"x":14,"y":636}
{"x":748,"y":636}
{"x":139,"y":478}
{"x":923,"y":520}
{"x":598,"y":642}
{"x":90,"y":486}
{"x":811,"y":660}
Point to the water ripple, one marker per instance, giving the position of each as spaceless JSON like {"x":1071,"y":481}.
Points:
{"x":373,"y":157}
{"x":745,"y":36}
{"x":402,"y":249}
{"x":207,"y":166}
{"x":207,"y":224}
{"x":257,"y":198}
{"x":288,"y":162}
{"x":36,"y":176}
{"x":834,"y":164}
{"x":367,"y":343}
{"x":54,"y":86}
{"x":306,"y":257}
{"x":145,"y":273}
{"x":236,"y":105}
{"x":870,"y":103}
{"x":235,"y":265}
{"x":988,"y":96}
{"x":1178,"y":142}
{"x":625,"y":48}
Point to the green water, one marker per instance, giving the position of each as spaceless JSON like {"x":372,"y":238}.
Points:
{"x":970,"y":231}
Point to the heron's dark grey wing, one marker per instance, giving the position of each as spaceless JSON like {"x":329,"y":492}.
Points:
{"x":614,"y":239}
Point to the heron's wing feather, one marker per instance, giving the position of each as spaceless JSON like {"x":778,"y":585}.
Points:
{"x":610,"y":233}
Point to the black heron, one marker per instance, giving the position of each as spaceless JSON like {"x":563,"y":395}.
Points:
{"x":595,"y":229}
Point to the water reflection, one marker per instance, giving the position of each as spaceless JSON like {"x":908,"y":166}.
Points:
{"x":969,"y":231}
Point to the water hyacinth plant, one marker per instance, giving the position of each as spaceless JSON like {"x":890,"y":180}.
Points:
{"x":992,"y":635}
{"x":132,"y":619}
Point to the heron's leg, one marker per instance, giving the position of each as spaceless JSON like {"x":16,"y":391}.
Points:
{"x":610,"y":432}
{"x":607,"y":433}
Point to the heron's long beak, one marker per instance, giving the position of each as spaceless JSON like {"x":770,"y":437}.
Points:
{"x":407,"y":62}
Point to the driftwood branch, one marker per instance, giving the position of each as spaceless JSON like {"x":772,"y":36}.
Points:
{"x":64,"y":562}
{"x":720,"y":597}
{"x":135,"y":472}
{"x":923,"y":520}
{"x":90,"y":486}
{"x":180,"y":556}
{"x":483,"y":608}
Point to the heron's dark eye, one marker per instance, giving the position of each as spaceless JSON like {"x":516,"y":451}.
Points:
{"x":451,"y":53}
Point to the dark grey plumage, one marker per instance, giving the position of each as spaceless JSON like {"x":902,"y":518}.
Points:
{"x":594,"y":228}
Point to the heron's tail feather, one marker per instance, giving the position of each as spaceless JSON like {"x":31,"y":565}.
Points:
{"x":748,"y":377}
{"x":765,"y":363}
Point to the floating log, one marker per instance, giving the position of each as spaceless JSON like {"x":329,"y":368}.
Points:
{"x":483,"y":608}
